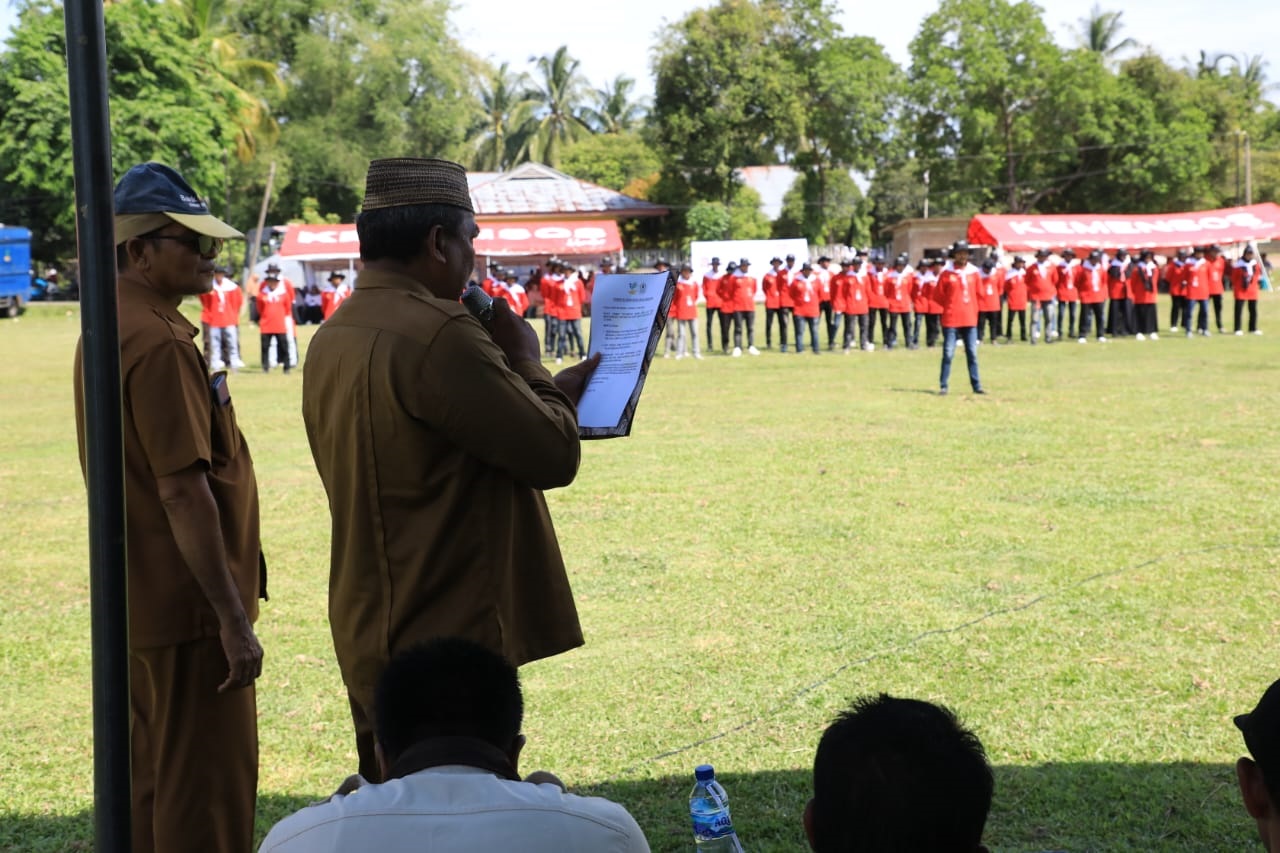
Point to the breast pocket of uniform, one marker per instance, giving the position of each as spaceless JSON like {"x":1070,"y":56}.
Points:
{"x":224,"y":434}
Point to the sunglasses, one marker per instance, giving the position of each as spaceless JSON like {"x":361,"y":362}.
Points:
{"x":201,"y":244}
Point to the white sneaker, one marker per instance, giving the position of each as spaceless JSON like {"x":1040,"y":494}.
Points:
{"x":237,"y":364}
{"x":559,"y":360}
{"x":737,"y":351}
{"x":667,"y":355}
{"x":870,"y":347}
{"x":753,"y":350}
{"x":679,"y":356}
{"x":1082,"y":341}
{"x":1102,"y":339}
{"x":1173,"y":328}
{"x":1141,"y":336}
{"x":698,"y":356}
{"x":1155,"y":336}
{"x":1238,"y":332}
{"x":1258,"y":332}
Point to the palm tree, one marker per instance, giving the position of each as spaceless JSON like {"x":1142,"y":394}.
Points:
{"x":613,"y":110}
{"x":559,"y":94}
{"x":205,"y":22}
{"x":1208,"y":65}
{"x":1099,"y":33}
{"x":501,"y":137}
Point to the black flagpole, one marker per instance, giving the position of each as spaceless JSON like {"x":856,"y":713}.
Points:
{"x":108,"y":584}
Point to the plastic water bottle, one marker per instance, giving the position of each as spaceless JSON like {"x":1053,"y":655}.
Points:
{"x":709,"y":808}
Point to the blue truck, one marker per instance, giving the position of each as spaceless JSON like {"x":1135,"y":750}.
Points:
{"x":15,"y":269}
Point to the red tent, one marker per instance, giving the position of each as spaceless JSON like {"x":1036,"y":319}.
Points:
{"x":1126,"y":231}
{"x":498,"y":238}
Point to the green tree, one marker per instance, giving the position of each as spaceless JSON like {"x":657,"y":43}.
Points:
{"x":559,"y":92}
{"x":1100,"y":33}
{"x":834,"y":213}
{"x":725,"y":95}
{"x":167,"y":104}
{"x":746,"y":220}
{"x":981,"y":73}
{"x":500,"y":135}
{"x":612,"y":160}
{"x":378,"y":79}
{"x":709,"y":220}
{"x":207,"y":25}
{"x":613,"y":108}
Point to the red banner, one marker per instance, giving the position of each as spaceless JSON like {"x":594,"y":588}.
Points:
{"x":497,"y":238}
{"x":1110,"y":231}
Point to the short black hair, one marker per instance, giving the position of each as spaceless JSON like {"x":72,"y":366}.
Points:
{"x":448,"y":687}
{"x":396,"y":233}
{"x":896,"y":775}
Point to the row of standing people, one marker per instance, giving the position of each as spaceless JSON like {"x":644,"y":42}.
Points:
{"x":1053,"y":296}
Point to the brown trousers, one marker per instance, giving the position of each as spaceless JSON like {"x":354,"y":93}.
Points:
{"x":194,"y":752}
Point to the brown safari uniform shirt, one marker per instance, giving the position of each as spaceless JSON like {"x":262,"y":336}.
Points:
{"x":193,"y":751}
{"x":433,"y":451}
{"x":171,"y":422}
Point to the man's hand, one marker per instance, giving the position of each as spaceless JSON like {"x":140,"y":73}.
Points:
{"x":515,"y":337}
{"x":572,"y":381}
{"x":244,"y":655}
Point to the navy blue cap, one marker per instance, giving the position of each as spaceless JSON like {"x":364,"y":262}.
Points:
{"x":704,"y":773}
{"x":149,"y":189}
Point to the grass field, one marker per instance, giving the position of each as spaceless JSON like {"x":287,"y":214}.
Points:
{"x":1083,"y":564}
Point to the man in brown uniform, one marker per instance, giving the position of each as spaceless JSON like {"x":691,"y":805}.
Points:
{"x":434,"y":436}
{"x":194,"y":557}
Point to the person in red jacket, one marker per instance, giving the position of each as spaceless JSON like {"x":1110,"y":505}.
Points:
{"x":337,"y":293}
{"x":549,"y":287}
{"x":786,"y":307}
{"x":990,"y":289}
{"x":877,"y":304}
{"x":744,"y":309}
{"x":513,"y":293}
{"x":1015,"y":298}
{"x":1093,"y":292}
{"x":1120,"y":309}
{"x":1245,"y":275}
{"x":1068,"y":296}
{"x":804,"y":294}
{"x":711,"y":292}
{"x":958,"y":292}
{"x":220,"y":319}
{"x":1144,"y":288}
{"x":773,"y":283}
{"x":728,"y":290}
{"x":919,"y":300}
{"x":275,"y":306}
{"x":897,"y":290}
{"x":857,"y":310}
{"x":1042,"y":292}
{"x":1175,"y":277}
{"x":686,"y":313}
{"x":572,"y":295}
{"x":1217,"y":280}
{"x":1198,"y":272}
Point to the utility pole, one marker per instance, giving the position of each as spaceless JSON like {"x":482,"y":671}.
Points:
{"x":1248,"y":171}
{"x":926,"y":193}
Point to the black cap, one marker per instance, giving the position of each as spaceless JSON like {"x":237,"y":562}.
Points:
{"x":606,"y":262}
{"x":745,"y":262}
{"x":661,"y":262}
{"x":1018,"y":259}
{"x":824,"y":260}
{"x":1043,"y":253}
{"x":732,"y":266}
{"x":1068,"y":253}
{"x":775,"y":260}
{"x":959,"y":246}
{"x":715,"y":261}
{"x":791,"y":257}
{"x":1261,"y":730}
{"x":337,"y":274}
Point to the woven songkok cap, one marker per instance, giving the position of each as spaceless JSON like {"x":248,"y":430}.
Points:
{"x":400,"y":181}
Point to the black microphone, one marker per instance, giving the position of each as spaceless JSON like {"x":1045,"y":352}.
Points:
{"x":479,"y":303}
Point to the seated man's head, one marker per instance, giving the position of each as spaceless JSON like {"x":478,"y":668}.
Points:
{"x":1259,"y":776}
{"x":898,"y":775}
{"x":448,"y":688}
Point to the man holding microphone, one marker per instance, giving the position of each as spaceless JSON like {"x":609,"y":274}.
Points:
{"x":434,"y":436}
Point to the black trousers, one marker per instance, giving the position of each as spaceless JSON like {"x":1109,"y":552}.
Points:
{"x":1216,"y":299}
{"x":829,"y":319}
{"x":1145,"y":317}
{"x":861,"y":322}
{"x":1177,"y":312}
{"x":711,"y":313}
{"x":741,"y":320}
{"x":726,"y":322}
{"x":1068,"y":308}
{"x":281,"y":342}
{"x":1253,"y":314}
{"x":932,"y":329}
{"x":1087,"y":310}
{"x":1022,"y":323}
{"x":891,"y":337}
{"x":990,"y":320}
{"x":1117,"y":317}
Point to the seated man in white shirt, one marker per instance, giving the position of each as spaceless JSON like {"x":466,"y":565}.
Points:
{"x":448,"y":740}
